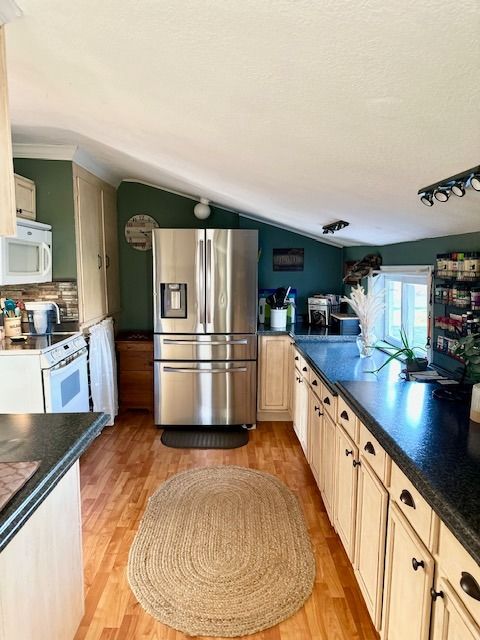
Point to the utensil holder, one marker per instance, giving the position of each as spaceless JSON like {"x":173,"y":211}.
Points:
{"x":13,"y":327}
{"x":278,"y":318}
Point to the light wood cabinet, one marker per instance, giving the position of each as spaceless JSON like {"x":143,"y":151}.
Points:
{"x":315,"y":436}
{"x":451,"y":620}
{"x":274,"y":375}
{"x":370,"y":534}
{"x":7,"y":187}
{"x":409,"y":572}
{"x":25,"y":198}
{"x":346,"y":464}
{"x":300,"y":409}
{"x":110,"y":249}
{"x":328,"y":464}
{"x":97,"y":247}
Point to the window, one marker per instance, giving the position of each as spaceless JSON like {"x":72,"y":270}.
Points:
{"x":406,"y":306}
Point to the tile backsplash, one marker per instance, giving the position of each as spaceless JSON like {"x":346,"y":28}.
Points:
{"x":63,"y":292}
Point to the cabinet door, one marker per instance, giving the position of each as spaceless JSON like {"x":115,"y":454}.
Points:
{"x":25,"y":198}
{"x":90,"y":247}
{"x":7,"y":187}
{"x":110,"y":250}
{"x":371,"y":527}
{"x":274,"y":372}
{"x":315,"y":429}
{"x":408,"y":580}
{"x":346,"y":464}
{"x":328,"y":464}
{"x":451,"y":620}
{"x":300,"y":414}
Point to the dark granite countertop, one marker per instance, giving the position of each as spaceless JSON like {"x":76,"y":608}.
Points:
{"x":302,"y":330}
{"x":58,"y":440}
{"x":432,"y":441}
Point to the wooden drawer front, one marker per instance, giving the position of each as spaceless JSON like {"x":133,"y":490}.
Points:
{"x":136,"y":360}
{"x":298,"y":360}
{"x":461,"y":570}
{"x":347,"y":418}
{"x":315,"y":383}
{"x":375,"y":454}
{"x":417,"y":511}
{"x":136,"y":389}
{"x":329,"y":402}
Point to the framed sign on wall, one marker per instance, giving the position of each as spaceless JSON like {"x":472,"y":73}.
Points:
{"x":288,"y":259}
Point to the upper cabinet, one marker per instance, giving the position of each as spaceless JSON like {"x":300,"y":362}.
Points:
{"x":25,"y":198}
{"x":97,"y":247}
{"x":7,"y":190}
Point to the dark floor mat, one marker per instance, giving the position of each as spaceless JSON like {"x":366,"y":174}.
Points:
{"x":206,"y":438}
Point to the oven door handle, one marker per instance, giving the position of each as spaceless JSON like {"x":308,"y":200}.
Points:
{"x":191,"y":370}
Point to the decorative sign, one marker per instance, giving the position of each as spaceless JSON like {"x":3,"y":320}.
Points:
{"x":288,"y":259}
{"x":138,"y":231}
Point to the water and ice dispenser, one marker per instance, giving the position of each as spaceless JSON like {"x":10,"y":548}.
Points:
{"x":174,"y":299}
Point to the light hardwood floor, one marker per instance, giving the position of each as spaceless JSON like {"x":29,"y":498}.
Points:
{"x":125,"y":465}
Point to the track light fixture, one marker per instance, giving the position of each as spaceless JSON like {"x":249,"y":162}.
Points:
{"x":455,"y":184}
{"x":335,"y":226}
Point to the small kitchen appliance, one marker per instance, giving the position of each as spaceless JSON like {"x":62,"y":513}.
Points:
{"x":40,"y":316}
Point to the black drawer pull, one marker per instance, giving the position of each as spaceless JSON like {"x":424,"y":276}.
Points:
{"x":304,"y":369}
{"x":326,"y":400}
{"x":369,"y":448}
{"x":319,"y":413}
{"x":356,"y":463}
{"x":348,"y":452}
{"x":316,"y":408}
{"x":314,"y":383}
{"x":406,"y":498}
{"x":296,"y":357}
{"x":417,"y":563}
{"x":470,"y":585}
{"x":436,"y":594}
{"x":300,"y":379}
{"x":344,"y":415}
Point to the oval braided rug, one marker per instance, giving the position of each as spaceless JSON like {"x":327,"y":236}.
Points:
{"x":222,"y":551}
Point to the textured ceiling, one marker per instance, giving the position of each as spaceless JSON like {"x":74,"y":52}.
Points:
{"x":298,"y":111}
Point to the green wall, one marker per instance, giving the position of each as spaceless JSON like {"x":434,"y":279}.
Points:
{"x":54,"y":185}
{"x":323,"y":263}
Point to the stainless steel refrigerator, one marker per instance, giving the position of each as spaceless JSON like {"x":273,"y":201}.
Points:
{"x":205,"y":317}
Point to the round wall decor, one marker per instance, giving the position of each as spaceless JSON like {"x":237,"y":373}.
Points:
{"x":138,"y":231}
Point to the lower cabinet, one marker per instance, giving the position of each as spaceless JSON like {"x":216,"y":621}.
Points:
{"x":328,"y":464}
{"x":300,"y":409}
{"x":274,"y":377}
{"x":451,"y":620}
{"x":371,"y":528}
{"x":409,"y":573}
{"x":346,"y":464}
{"x":315,"y":434}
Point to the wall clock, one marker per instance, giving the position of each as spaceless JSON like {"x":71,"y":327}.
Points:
{"x":138,"y":231}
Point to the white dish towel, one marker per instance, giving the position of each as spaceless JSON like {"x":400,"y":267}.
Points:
{"x":103,"y":369}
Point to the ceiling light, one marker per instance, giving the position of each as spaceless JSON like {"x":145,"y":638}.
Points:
{"x":475,"y":181}
{"x":442,"y":194}
{"x":201,"y":210}
{"x":458,"y":188}
{"x":335,"y":226}
{"x":427,"y":199}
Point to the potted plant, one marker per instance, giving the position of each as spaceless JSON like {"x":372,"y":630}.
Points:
{"x":468,"y":349}
{"x":412,"y":361}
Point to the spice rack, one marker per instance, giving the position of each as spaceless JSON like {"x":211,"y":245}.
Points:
{"x":456,"y":286}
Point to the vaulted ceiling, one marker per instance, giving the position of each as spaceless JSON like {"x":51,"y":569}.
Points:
{"x":299,"y":112}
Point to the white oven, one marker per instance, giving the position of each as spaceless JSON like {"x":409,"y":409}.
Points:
{"x":26,"y":257}
{"x":65,"y":385}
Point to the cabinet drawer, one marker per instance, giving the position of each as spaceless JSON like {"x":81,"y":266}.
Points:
{"x":315,"y":382}
{"x":298,"y":359}
{"x":329,"y":401}
{"x":347,"y":418}
{"x":415,"y":508}
{"x":375,"y":454}
{"x":460,"y":568}
{"x":136,"y":360}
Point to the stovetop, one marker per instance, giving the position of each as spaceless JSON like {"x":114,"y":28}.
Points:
{"x":54,"y":347}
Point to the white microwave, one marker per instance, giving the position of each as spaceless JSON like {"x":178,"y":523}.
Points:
{"x":26,"y":257}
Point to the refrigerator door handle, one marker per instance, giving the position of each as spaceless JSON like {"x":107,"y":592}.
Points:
{"x":201,"y":280}
{"x":204,"y":343}
{"x":192,"y":370}
{"x":209,"y":282}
